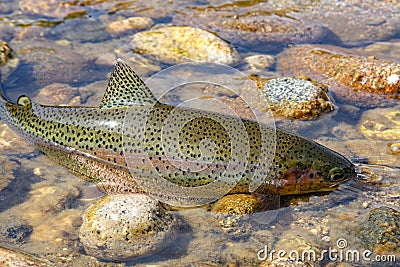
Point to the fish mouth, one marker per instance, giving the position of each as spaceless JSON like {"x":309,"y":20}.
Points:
{"x":349,"y":174}
{"x":352,"y":173}
{"x":336,"y":185}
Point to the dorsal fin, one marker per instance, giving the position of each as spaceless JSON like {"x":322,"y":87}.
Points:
{"x":125,"y":88}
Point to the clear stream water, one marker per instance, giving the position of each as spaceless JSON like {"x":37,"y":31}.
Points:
{"x":71,"y":43}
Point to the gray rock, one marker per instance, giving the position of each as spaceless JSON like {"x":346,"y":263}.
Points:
{"x":297,"y":97}
{"x":123,"y":226}
{"x":259,"y":27}
{"x":19,"y":233}
{"x":45,"y":62}
{"x":12,"y":258}
{"x":381,"y":231}
{"x":355,"y":22}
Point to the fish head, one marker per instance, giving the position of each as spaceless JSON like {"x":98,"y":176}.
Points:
{"x":314,"y":169}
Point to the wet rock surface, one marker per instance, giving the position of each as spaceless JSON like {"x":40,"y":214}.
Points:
{"x":381,"y":123}
{"x":6,"y":53}
{"x":19,"y":233}
{"x":384,"y":50}
{"x":236,"y":226}
{"x":239,"y":215}
{"x":174,"y":44}
{"x":44,"y":62}
{"x":46,"y":216}
{"x":52,"y":8}
{"x":256,"y":27}
{"x":354,"y":22}
{"x":381,"y":231}
{"x":297,"y":97}
{"x":284,"y":262}
{"x":8,"y":60}
{"x":363,"y":81}
{"x":132,"y":23}
{"x":12,"y":258}
{"x":58,"y":94}
{"x":7,"y":168}
{"x":394,"y":147}
{"x":259,"y":62}
{"x":95,"y":30}
{"x":240,"y":204}
{"x":12,"y":143}
{"x":120,"y":227}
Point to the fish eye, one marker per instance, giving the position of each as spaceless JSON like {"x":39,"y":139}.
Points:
{"x":336,"y":174}
{"x":23,"y":100}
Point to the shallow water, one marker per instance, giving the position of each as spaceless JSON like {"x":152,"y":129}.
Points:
{"x":42,"y":203}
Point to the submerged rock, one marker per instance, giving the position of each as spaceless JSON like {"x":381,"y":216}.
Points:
{"x":389,"y":50}
{"x":132,"y":23}
{"x":58,"y":94}
{"x":381,"y":231}
{"x":46,"y":62}
{"x":293,"y":240}
{"x":246,"y":22}
{"x":297,"y":97}
{"x":241,"y":204}
{"x":253,"y":26}
{"x":354,"y":22}
{"x":364,"y":81}
{"x":259,"y":62}
{"x":124,"y":226}
{"x":394,"y":147}
{"x":381,"y":123}
{"x":12,"y":258}
{"x":286,"y":262}
{"x":237,"y":226}
{"x":6,"y":53}
{"x":7,"y":168}
{"x":8,"y":60}
{"x":51,"y":8}
{"x":19,"y":233}
{"x":235,"y":212}
{"x":174,"y":44}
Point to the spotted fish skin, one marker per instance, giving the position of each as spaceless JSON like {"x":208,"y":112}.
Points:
{"x":95,"y":143}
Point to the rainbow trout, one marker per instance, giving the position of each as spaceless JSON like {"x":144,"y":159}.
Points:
{"x":95,"y":143}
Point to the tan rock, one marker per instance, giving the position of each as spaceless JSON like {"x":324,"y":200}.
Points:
{"x":174,"y":44}
{"x":132,"y":23}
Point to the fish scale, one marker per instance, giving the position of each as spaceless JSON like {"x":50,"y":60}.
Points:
{"x":108,"y":144}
